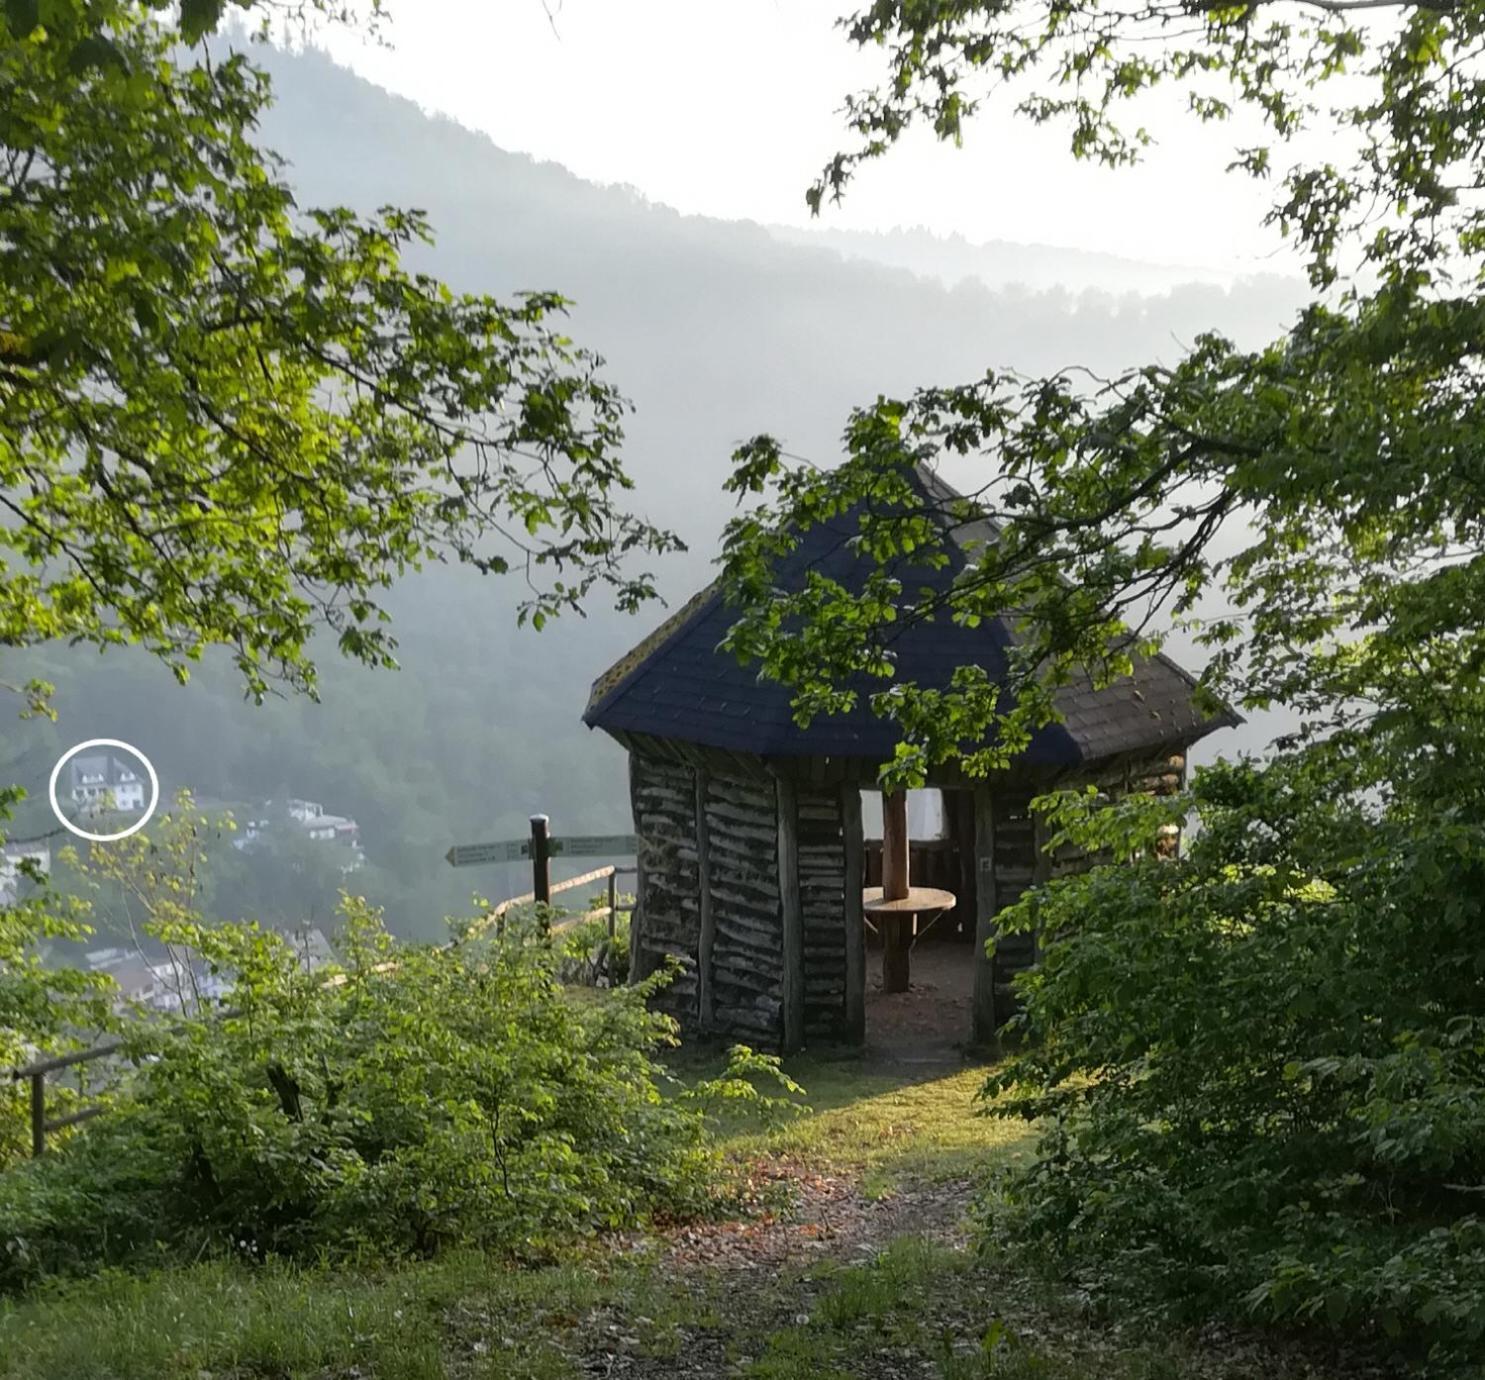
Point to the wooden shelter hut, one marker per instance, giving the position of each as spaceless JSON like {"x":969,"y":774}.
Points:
{"x":752,"y":860}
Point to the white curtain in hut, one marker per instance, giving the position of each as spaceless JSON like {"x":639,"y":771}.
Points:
{"x":925,"y":814}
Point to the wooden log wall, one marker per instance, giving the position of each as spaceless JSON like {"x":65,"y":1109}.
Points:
{"x":711,"y":893}
{"x":711,"y":845}
{"x":667,"y":913}
{"x":1015,"y":839}
{"x":822,"y":886}
{"x":746,"y":980}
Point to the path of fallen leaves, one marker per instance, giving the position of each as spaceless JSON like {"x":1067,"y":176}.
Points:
{"x":827,"y":1218}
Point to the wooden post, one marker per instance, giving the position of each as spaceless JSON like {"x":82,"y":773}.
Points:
{"x":897,"y":946}
{"x":613,"y":903}
{"x":792,"y":915}
{"x":963,"y":815}
{"x":984,"y":1024}
{"x":38,"y":1114}
{"x":541,"y":870}
{"x":707,"y":921}
{"x":1042,"y":868}
{"x":855,"y":848}
{"x":897,"y":930}
{"x":894,"y":845}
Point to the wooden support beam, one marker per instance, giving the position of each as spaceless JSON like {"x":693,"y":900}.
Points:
{"x":984,"y":1025}
{"x":707,"y":934}
{"x":894,"y":845}
{"x":792,"y":910}
{"x":855,"y":867}
{"x":1041,"y":868}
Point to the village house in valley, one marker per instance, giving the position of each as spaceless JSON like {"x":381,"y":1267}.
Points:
{"x":752,"y":854}
{"x":13,"y":857}
{"x":103,"y":779}
{"x":310,"y":819}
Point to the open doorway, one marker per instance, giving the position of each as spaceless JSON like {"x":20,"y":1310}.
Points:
{"x":934,"y":1016}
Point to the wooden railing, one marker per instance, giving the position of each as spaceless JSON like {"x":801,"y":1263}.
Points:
{"x":36,"y":1073}
{"x":598,"y":874}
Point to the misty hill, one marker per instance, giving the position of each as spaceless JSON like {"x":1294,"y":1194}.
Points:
{"x":716,"y":331}
{"x":952,"y":259}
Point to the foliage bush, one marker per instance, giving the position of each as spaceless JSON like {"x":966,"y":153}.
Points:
{"x":593,"y":957}
{"x":1262,"y":1066}
{"x":422,"y":1098}
{"x":44,"y":1009}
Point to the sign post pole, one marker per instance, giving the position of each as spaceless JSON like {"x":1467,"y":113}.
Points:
{"x":541,"y":872}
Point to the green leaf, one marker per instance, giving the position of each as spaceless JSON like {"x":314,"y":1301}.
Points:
{"x":199,"y":18}
{"x":22,"y":16}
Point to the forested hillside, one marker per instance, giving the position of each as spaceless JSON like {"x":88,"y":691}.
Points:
{"x":715,"y":331}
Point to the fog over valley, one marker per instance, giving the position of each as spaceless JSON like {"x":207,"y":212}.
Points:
{"x":716,"y":331}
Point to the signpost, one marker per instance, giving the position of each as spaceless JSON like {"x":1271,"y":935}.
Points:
{"x":596,"y":846}
{"x":541,"y":848}
{"x":482,"y":854}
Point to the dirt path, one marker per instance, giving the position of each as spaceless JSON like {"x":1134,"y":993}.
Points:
{"x":752,"y":1278}
{"x":844,"y":1279}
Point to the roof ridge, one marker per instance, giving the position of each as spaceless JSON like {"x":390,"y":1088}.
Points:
{"x":614,"y":680}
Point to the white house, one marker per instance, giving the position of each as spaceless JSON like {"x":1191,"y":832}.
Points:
{"x":160,"y":984}
{"x":311,"y":818}
{"x":101,"y":778}
{"x":12,"y":855}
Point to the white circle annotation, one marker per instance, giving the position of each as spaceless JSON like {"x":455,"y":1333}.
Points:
{"x":66,"y":757}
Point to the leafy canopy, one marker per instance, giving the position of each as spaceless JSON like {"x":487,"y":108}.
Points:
{"x":1327,"y":483}
{"x":1260,"y":1066}
{"x":226,"y":419}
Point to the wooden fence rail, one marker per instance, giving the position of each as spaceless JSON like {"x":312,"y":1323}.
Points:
{"x":35,"y":1073}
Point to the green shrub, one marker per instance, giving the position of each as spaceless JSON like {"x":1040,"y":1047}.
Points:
{"x":424,"y":1098}
{"x":594,"y":958}
{"x":1261,"y":1067}
{"x":44,"y":1009}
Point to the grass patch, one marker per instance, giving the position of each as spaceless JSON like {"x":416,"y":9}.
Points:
{"x":470,"y":1315}
{"x":466,"y":1316}
{"x":882,"y":1124}
{"x":917,"y":1308}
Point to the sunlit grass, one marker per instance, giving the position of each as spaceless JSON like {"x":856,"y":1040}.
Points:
{"x":886,"y":1124}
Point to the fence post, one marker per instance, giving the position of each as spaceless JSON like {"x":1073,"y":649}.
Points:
{"x":541,"y":872}
{"x":613,"y":902}
{"x":38,"y":1114}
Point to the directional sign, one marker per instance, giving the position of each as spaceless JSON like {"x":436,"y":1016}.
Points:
{"x":596,"y":846}
{"x":478,"y":854}
{"x":584,"y":846}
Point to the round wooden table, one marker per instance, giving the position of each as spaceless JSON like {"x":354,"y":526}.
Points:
{"x":895,"y":919}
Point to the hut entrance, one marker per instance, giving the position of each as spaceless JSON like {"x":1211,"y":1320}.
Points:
{"x":935,"y":1012}
{"x":754,"y":874}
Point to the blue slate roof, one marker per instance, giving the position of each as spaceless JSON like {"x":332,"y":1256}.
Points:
{"x":677,"y":685}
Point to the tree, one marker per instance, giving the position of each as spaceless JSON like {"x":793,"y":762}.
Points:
{"x":1262,"y":1065}
{"x":228,"y":420}
{"x":1347,"y":444}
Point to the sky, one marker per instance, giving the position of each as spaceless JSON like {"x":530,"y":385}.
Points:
{"x":729,"y":108}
